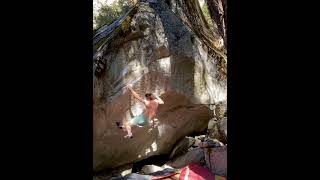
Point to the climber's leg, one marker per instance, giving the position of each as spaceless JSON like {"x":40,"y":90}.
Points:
{"x":127,"y":126}
{"x":151,"y":121}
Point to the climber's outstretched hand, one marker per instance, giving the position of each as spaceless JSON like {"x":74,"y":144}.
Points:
{"x":129,"y":86}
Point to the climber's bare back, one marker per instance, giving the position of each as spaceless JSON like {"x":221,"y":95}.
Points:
{"x":151,"y":108}
{"x":151,"y":102}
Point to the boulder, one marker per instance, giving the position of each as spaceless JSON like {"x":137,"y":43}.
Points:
{"x":223,"y":126}
{"x":196,"y":155}
{"x":221,"y":109}
{"x":157,"y":53}
{"x":182,"y":146}
{"x":219,"y":130}
{"x":212,"y":123}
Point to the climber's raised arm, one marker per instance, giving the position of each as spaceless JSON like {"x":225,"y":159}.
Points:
{"x":135,"y":94}
{"x":159,"y":100}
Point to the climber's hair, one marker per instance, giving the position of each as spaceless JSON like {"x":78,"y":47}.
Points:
{"x":149,"y":96}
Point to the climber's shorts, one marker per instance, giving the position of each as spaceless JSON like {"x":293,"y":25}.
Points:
{"x":140,"y":120}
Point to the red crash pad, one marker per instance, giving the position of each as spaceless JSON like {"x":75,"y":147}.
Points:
{"x":196,"y":172}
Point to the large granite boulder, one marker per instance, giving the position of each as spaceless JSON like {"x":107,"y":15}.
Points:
{"x":157,"y":53}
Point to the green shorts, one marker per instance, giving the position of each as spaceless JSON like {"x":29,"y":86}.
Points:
{"x":140,"y":120}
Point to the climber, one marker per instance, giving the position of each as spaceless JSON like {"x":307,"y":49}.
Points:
{"x":147,"y":117}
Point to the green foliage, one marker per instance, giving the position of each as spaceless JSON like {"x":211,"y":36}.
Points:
{"x":206,"y":14}
{"x":109,"y":13}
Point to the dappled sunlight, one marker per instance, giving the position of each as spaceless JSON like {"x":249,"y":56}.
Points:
{"x":151,"y":149}
{"x":208,"y":88}
{"x":165,"y":65}
{"x":137,"y":108}
{"x":154,"y":146}
{"x":147,"y":151}
{"x":162,"y":129}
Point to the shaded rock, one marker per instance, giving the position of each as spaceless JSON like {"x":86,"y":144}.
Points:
{"x":157,"y":53}
{"x":194,"y":156}
{"x":221,"y":109}
{"x":212,"y":123}
{"x":214,"y":132}
{"x":223,"y":127}
{"x":182,"y":146}
{"x":219,"y":130}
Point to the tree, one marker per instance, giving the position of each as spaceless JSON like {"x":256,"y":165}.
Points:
{"x":217,"y":10}
{"x":190,"y":12}
{"x":109,"y":13}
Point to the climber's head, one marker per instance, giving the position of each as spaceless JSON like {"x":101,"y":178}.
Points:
{"x":149,"y":96}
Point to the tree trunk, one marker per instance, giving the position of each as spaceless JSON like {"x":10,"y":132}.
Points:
{"x":216,"y":10}
{"x":191,"y":14}
{"x":224,"y":5}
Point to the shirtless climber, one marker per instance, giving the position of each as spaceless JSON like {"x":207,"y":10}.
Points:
{"x":147,"y":117}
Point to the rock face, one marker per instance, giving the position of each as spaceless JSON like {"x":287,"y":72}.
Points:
{"x":218,"y":129}
{"x":223,"y":127}
{"x":156,"y":52}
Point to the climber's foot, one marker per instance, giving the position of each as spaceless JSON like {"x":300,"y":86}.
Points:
{"x":118,"y":124}
{"x":128,"y":136}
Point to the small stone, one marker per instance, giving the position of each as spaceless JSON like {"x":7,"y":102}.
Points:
{"x":125,"y":172}
{"x":165,"y":166}
{"x":147,"y":169}
{"x":201,"y":137}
